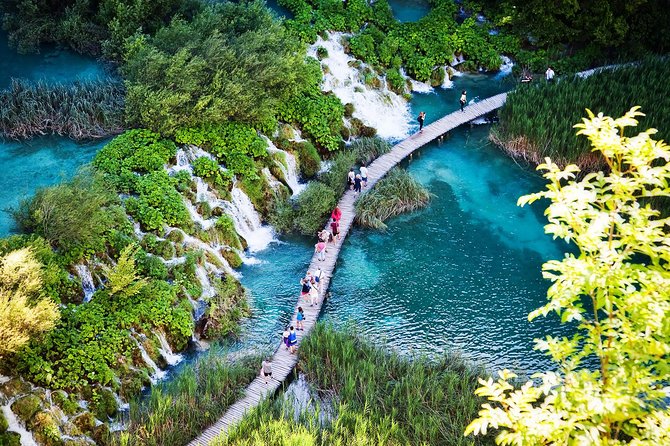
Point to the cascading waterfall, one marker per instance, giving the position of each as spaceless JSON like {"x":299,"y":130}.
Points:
{"x":166,"y":351}
{"x":186,"y":156}
{"x":382,"y":109}
{"x":15,"y":426}
{"x":86,"y":281}
{"x":290,"y":170}
{"x":247,"y":221}
{"x":417,"y":86}
{"x":158,"y":374}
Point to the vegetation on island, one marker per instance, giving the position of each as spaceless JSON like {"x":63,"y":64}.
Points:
{"x":535,"y":121}
{"x":395,"y":194}
{"x":610,"y":382}
{"x":576,"y":35}
{"x":370,"y":396}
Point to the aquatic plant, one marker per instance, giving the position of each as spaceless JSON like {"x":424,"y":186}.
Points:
{"x":378,"y":398}
{"x":79,"y":110}
{"x":536,"y":120}
{"x":177,"y":411}
{"x":397,"y":193}
{"x":614,"y":289}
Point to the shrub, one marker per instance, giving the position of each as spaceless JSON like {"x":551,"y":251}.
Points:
{"x":158,"y":202}
{"x":226,"y":308}
{"x":368,"y":149}
{"x":314,"y":204}
{"x":209,"y":170}
{"x":310,"y":161}
{"x":336,"y":177}
{"x":225,"y":230}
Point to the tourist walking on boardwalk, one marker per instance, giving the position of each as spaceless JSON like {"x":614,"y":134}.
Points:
{"x":421,"y":119}
{"x":292,"y":339}
{"x":313,"y":293}
{"x":305,"y":286}
{"x":336,"y":214}
{"x":364,"y":175}
{"x":549,"y":75}
{"x":464,"y":99}
{"x":266,"y":370}
{"x":350,"y":178}
{"x":317,"y":276}
{"x":357,"y":184}
{"x":335,"y":228}
{"x":285,"y":338}
{"x":299,"y":318}
{"x":320,"y":249}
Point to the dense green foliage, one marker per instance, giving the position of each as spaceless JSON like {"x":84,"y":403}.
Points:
{"x":308,"y":213}
{"x":231,"y":61}
{"x":536,"y":120}
{"x":574,"y":35}
{"x":608,"y":381}
{"x":86,"y":26}
{"x":310,"y":161}
{"x":226,"y":308}
{"x":177,"y":411}
{"x":86,"y":109}
{"x":421,"y":47}
{"x":397,"y":193}
{"x":210,"y":171}
{"x":234,"y":145}
{"x":73,"y":216}
{"x":379,"y":399}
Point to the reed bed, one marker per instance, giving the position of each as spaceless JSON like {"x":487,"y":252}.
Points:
{"x":179,"y":410}
{"x":378,"y":398}
{"x":537,"y":120}
{"x":80,"y":110}
{"x":396,"y":194}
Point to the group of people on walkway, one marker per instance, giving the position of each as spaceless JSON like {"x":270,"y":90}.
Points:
{"x":310,"y":286}
{"x":357,"y":180}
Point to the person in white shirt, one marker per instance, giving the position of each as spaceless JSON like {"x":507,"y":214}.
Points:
{"x":364,"y":175}
{"x":350,"y":178}
{"x":549,"y":75}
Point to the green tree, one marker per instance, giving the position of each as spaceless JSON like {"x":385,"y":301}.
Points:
{"x":233,"y":61}
{"x":21,"y":316}
{"x":617,"y":291}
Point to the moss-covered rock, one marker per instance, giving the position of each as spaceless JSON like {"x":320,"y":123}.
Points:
{"x":4,"y":424}
{"x":104,"y":404}
{"x":67,"y":403}
{"x":310,"y":161}
{"x":101,"y":435}
{"x":27,"y":406}
{"x":10,"y":439}
{"x":45,"y":429}
{"x":232,"y":257}
{"x":348,"y":110}
{"x":12,"y":388}
{"x":225,"y":232}
{"x":85,"y":422}
{"x":176,"y":236}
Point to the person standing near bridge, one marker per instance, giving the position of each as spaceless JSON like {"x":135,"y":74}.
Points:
{"x":464,"y":99}
{"x":421,"y":119}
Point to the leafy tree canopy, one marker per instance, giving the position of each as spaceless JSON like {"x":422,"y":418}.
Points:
{"x":617,"y":289}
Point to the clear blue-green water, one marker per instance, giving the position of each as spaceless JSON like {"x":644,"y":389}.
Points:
{"x":28,"y":165}
{"x":409,"y":10}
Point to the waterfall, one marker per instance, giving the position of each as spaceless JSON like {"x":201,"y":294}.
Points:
{"x":416,"y":86}
{"x":247,"y":221}
{"x":382,"y":109}
{"x":208,"y":290}
{"x":158,"y":373}
{"x":15,"y":426}
{"x":166,"y":351}
{"x":86,"y":281}
{"x":290,"y":170}
{"x":506,"y":65}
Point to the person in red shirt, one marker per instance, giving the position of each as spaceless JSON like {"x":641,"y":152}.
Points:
{"x":335,"y":228}
{"x":336,"y":214}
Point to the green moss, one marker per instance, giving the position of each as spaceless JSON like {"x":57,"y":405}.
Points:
{"x":26,"y":407}
{"x":45,"y":429}
{"x":232,"y":257}
{"x":104,"y":404}
{"x":348,"y":110}
{"x":10,"y":439}
{"x":310,"y":162}
{"x":84,"y":422}
{"x":4,"y":424}
{"x":225,"y":231}
{"x":176,"y":236}
{"x":67,"y":403}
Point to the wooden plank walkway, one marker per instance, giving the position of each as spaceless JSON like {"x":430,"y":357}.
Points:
{"x":284,"y":362}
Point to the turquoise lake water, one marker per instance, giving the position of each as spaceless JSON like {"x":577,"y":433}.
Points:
{"x":28,"y":165}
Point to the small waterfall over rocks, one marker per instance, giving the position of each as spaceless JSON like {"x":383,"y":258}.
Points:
{"x":87,"y":285}
{"x":14,"y":425}
{"x":382,"y":109}
{"x":417,"y":86}
{"x":158,"y":374}
{"x":290,"y":169}
{"x":247,"y":221}
{"x":166,"y":351}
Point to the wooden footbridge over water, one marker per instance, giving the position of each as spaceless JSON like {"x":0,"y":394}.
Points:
{"x":284,"y":362}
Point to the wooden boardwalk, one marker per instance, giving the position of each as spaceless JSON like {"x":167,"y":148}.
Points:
{"x":283,"y":362}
